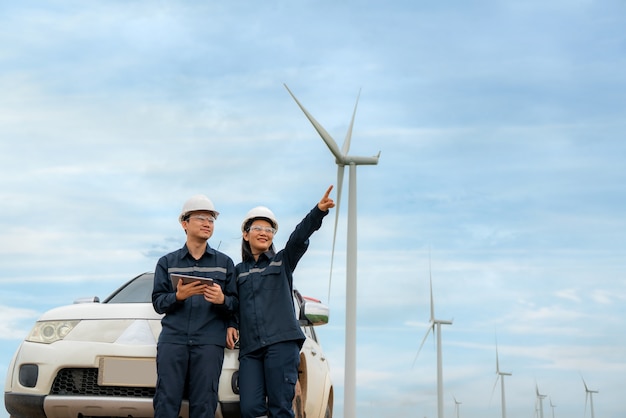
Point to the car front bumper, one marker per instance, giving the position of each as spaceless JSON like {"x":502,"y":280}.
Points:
{"x":77,"y":391}
{"x":51,"y":406}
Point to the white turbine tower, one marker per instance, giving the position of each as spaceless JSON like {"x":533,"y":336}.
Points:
{"x":435,"y":327}
{"x":456,"y":407}
{"x":589,"y":396}
{"x":500,"y":375}
{"x":540,"y":399}
{"x":552,"y":406}
{"x":342,"y":159}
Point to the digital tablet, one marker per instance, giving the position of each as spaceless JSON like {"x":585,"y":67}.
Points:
{"x":189,"y":279}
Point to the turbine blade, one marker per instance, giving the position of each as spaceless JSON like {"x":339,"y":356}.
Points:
{"x":431,"y":327}
{"x":494,"y":388}
{"x":340,"y":172}
{"x":346,"y":142}
{"x":330,"y":142}
{"x":432,"y":303}
{"x":497,"y":361}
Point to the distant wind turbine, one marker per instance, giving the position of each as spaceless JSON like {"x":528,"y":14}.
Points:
{"x":540,"y":399}
{"x":342,"y":159}
{"x":500,"y":375}
{"x":552,"y":406}
{"x":435,"y":327}
{"x":456,"y":407}
{"x":589,"y":396}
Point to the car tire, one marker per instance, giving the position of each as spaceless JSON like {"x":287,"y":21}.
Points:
{"x":298,"y":404}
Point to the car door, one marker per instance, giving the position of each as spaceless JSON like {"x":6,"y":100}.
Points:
{"x":317,"y":372}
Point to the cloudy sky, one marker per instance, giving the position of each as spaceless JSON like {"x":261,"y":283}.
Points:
{"x":501,"y":129}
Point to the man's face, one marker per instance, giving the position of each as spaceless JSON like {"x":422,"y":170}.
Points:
{"x":199,"y":225}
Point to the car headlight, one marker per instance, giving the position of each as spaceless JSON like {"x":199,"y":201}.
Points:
{"x":48,"y":332}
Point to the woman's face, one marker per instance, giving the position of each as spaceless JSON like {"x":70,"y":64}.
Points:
{"x":260,"y":236}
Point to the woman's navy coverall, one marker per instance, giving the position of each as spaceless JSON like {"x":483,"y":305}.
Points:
{"x":270,"y":337}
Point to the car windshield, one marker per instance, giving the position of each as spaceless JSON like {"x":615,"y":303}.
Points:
{"x":138,"y":290}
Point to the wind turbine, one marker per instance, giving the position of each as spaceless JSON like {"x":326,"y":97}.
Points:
{"x":456,"y":407}
{"x":589,"y":396}
{"x":540,"y":399}
{"x":342,"y":159}
{"x":435,"y":327}
{"x":552,"y":406}
{"x":500,"y":375}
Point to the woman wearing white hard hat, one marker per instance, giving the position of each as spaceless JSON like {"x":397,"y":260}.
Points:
{"x":270,"y":337}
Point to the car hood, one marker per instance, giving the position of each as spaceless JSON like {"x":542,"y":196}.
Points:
{"x":87,"y":311}
{"x":120,"y":323}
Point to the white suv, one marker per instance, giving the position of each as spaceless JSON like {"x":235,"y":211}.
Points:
{"x":94,"y":359}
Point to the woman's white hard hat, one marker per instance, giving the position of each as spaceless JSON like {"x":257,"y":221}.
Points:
{"x":260,"y":212}
{"x":196,"y":203}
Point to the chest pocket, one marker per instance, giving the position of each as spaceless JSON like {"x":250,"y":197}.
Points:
{"x":242,"y":280}
{"x":271,"y":278}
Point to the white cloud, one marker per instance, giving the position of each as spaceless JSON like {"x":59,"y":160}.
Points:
{"x":15,"y":323}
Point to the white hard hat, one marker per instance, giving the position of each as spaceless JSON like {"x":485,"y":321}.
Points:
{"x":197,"y":202}
{"x":260,"y":212}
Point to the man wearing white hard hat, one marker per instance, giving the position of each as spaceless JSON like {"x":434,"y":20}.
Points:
{"x":198,"y":316}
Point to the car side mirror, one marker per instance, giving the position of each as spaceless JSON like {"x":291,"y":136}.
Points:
{"x":313,"y":312}
{"x":92,"y":299}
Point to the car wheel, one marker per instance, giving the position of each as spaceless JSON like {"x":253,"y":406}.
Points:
{"x":298,"y":405}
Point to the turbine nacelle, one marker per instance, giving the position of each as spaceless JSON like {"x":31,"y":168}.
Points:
{"x":349,"y":160}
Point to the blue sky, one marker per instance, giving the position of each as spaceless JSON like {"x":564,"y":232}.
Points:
{"x":501,"y":130}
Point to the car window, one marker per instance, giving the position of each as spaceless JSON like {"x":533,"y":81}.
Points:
{"x":310,"y":331}
{"x":138,"y":290}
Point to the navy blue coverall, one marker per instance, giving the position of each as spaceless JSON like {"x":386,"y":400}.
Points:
{"x":270,"y":337}
{"x":193,"y":336}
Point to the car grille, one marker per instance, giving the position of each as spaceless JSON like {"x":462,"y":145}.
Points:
{"x":84,"y":382}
